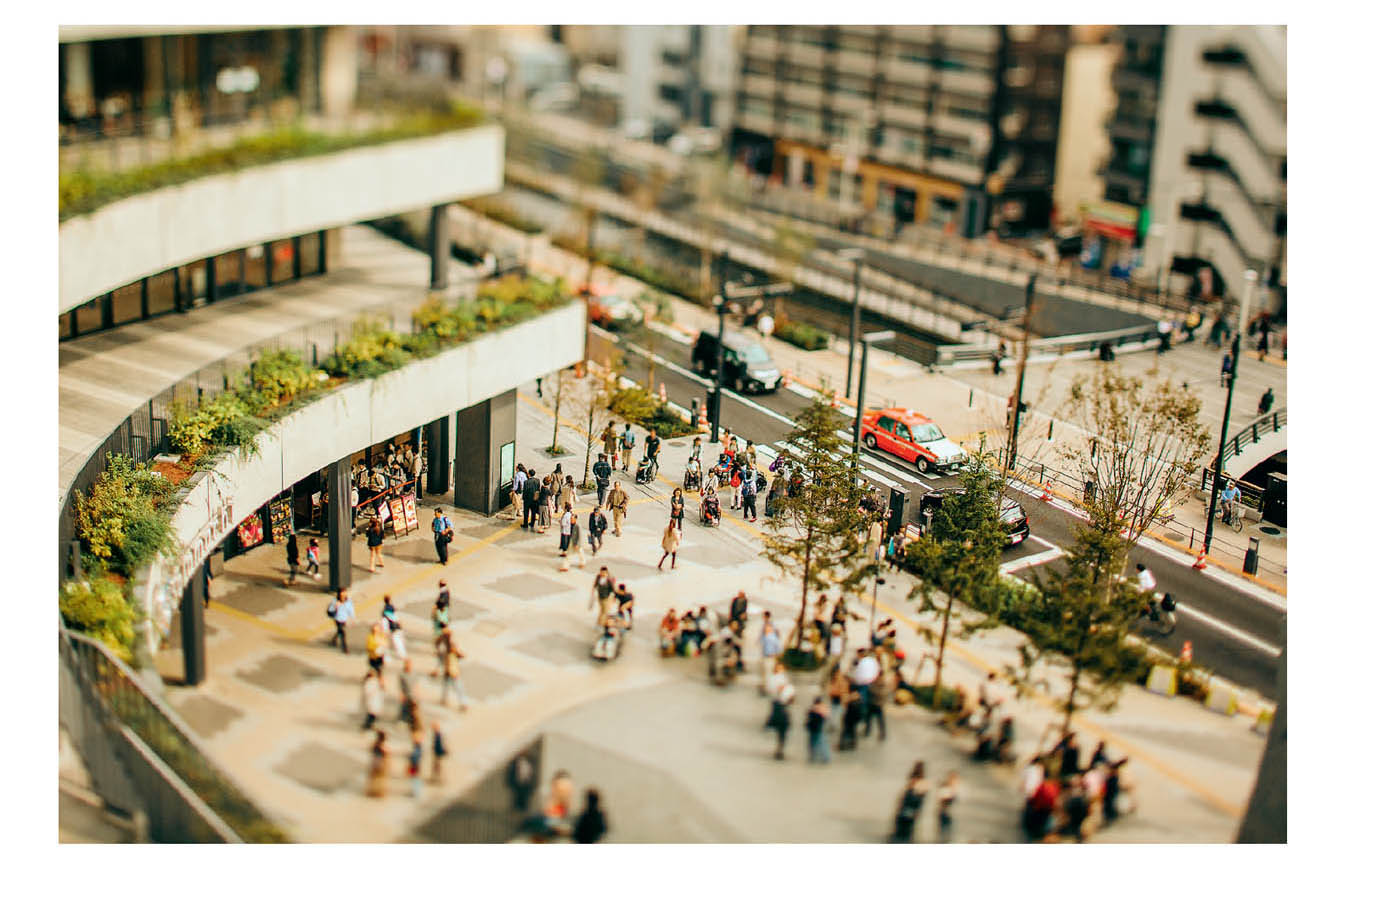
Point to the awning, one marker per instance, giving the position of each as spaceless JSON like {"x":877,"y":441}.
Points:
{"x":1113,"y":220}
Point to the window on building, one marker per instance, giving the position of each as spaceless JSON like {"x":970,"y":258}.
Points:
{"x":281,"y":261}
{"x":126,"y":304}
{"x":160,"y":293}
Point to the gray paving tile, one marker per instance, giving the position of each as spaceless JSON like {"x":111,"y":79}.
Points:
{"x":556,"y":648}
{"x":257,"y":600}
{"x":280,"y":674}
{"x":459,"y":610}
{"x":526,"y":586}
{"x":485,"y":683}
{"x":322,"y":768}
{"x":412,"y":549}
{"x":206,"y":715}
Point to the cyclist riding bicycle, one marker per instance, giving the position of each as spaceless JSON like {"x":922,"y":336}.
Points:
{"x":1145,"y":580}
{"x":1228,"y":498}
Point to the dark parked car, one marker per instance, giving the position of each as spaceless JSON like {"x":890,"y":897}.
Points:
{"x":747,"y":366}
{"x":1013,"y":515}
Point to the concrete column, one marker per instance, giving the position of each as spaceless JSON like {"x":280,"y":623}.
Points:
{"x":339,"y":523}
{"x":440,"y":246}
{"x":482,"y":430}
{"x":923,"y":200}
{"x":439,"y":457}
{"x":192,"y":628}
{"x":78,"y":91}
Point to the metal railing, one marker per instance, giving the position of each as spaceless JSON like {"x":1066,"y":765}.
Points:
{"x":143,"y":759}
{"x":1058,"y":346}
{"x":1252,"y":432}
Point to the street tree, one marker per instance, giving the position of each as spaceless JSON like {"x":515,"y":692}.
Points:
{"x":817,"y":534}
{"x":595,"y":393}
{"x":556,"y":389}
{"x":957,"y":559}
{"x":1079,"y":616}
{"x":1140,"y":441}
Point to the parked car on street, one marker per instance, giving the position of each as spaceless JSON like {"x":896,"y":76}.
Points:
{"x":912,"y":437}
{"x":747,"y":366}
{"x":1013,"y":515}
{"x":613,"y":311}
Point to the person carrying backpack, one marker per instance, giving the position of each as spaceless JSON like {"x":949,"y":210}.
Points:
{"x":603,"y":473}
{"x":750,"y":494}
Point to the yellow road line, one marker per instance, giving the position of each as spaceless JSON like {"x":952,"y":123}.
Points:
{"x":263,"y":623}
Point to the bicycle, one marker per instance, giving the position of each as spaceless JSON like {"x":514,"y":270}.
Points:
{"x":1158,"y":621}
{"x":1235,"y":522}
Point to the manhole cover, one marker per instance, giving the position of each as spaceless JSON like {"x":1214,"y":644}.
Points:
{"x":1269,"y":529}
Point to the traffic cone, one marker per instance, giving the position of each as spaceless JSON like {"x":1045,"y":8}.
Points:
{"x":1045,"y":493}
{"x":1186,"y":651}
{"x":704,"y":422}
{"x":1200,"y":563}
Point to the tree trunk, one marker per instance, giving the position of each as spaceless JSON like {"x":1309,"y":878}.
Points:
{"x":942,"y":642}
{"x":806,"y":574}
{"x":558,"y":400}
{"x":1069,"y":703}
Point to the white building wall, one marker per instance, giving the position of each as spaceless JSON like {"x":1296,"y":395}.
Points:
{"x":1088,"y":101}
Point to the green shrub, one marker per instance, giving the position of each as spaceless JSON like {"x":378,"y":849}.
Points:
{"x":947,"y":698}
{"x":220,"y":420}
{"x":636,"y":405}
{"x":120,"y":522}
{"x":800,"y":660}
{"x":99,"y":608}
{"x":277,"y":378}
{"x":802,"y":335}
{"x":83,"y":191}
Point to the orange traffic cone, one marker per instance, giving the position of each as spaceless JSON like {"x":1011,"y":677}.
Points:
{"x":1200,"y":562}
{"x":1045,"y":493}
{"x":661,"y":392}
{"x":704,"y":421}
{"x":1186,"y":651}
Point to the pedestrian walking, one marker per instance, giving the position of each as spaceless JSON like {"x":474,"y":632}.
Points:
{"x":779,"y":719}
{"x":293,"y":559}
{"x":394,"y":629}
{"x":1266,"y":402}
{"x":678,"y":509}
{"x":602,"y":474}
{"x":597,"y":527}
{"x":617,"y":505}
{"x":601,"y":593}
{"x":769,"y":646}
{"x":906,"y":816}
{"x":378,"y":765}
{"x":818,"y":748}
{"x":371,"y":700}
{"x":313,"y":559}
{"x":670,"y":543}
{"x":997,"y":357}
{"x":610,"y":441}
{"x":653,"y":449}
{"x":736,"y":483}
{"x":947,"y":796}
{"x":530,"y":492}
{"x":568,"y":494}
{"x":628,"y":441}
{"x":439,"y":752}
{"x":592,"y":824}
{"x":450,"y":657}
{"x":342,"y":612}
{"x":376,"y":644}
{"x":576,"y":539}
{"x":880,"y":690}
{"x":415,"y":765}
{"x":408,"y":693}
{"x":850,"y":720}
{"x":566,"y":519}
{"x":1227,"y":365}
{"x":750,"y":494}
{"x":374,"y":537}
{"x":520,"y":778}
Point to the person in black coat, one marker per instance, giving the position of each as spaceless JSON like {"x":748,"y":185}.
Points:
{"x":293,"y":558}
{"x":592,"y":824}
{"x":597,"y":527}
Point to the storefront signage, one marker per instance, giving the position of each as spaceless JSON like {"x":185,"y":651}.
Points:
{"x":250,"y":531}
{"x":1113,"y":220}
{"x":410,"y":511}
{"x":400,"y":520}
{"x":281,"y":514}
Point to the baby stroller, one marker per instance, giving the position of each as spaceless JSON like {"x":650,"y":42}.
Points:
{"x":646,"y":470}
{"x":692,"y":477}
{"x":609,"y":642}
{"x":709,"y":510}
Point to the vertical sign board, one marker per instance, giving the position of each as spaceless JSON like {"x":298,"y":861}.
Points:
{"x":281,"y":514}
{"x":396,"y":509}
{"x":410,"y":511}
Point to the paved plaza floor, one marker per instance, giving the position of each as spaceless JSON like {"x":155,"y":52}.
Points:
{"x":676,"y":758}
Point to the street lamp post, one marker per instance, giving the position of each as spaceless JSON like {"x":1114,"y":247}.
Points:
{"x":874,"y":592}
{"x":1251,"y":279}
{"x":855,"y":255}
{"x":876,"y":337}
{"x":1021,"y":375}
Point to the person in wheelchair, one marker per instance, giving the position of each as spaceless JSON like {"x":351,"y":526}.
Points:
{"x":646,"y":470}
{"x":609,"y":638}
{"x":710,"y":508}
{"x":692,"y":474}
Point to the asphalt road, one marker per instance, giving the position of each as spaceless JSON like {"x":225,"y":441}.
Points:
{"x":1234,"y":631}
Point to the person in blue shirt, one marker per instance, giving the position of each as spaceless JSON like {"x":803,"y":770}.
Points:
{"x":442,"y":534}
{"x":342,"y":610}
{"x":1229,"y":497}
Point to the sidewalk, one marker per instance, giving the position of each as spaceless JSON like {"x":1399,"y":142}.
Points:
{"x":970,"y":406}
{"x":676,"y":759}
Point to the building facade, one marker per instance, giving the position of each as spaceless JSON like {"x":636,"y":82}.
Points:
{"x":1199,"y":147}
{"x":951,"y":125}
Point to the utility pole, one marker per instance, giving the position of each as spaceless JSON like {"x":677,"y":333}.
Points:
{"x":857,"y":256}
{"x":721,"y":302}
{"x":1015,"y":424}
{"x":1251,"y":278}
{"x":875,"y":337}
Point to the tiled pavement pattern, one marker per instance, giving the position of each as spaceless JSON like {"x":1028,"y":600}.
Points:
{"x":677,"y":759}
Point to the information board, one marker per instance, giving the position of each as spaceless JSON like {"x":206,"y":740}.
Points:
{"x":250,"y":531}
{"x":397,"y":511}
{"x":410,"y":511}
{"x":281,"y":514}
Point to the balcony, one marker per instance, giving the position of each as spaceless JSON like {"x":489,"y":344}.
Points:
{"x":902,"y":71}
{"x":956,"y":170}
{"x":806,"y":54}
{"x":903,"y":114}
{"x":799,"y":94}
{"x":761,"y":47}
{"x":978,"y":84}
{"x":854,"y":62}
{"x":960,"y":126}
{"x":1262,"y":115}
{"x":1129,"y":130}
{"x":131,"y":238}
{"x":851,"y":104}
{"x":981,"y":38}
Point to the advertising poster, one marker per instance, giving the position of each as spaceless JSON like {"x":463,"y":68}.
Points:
{"x":281,"y":514}
{"x":250,"y":531}
{"x":383,"y":511}
{"x":410,"y":511}
{"x":397,"y":511}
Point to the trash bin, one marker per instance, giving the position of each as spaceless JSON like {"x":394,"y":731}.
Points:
{"x":1088,"y":492}
{"x":1275,"y":506}
{"x":897,"y":497}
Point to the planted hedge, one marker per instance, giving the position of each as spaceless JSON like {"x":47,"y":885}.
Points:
{"x":800,"y":334}
{"x":637,"y":405}
{"x":83,"y":191}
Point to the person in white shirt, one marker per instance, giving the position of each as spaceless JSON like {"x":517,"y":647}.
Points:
{"x":1145,"y":581}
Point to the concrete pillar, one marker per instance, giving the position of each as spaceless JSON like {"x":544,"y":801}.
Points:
{"x":192,"y":628}
{"x":439,"y":456}
{"x":340,"y":527}
{"x":78,"y":91}
{"x":440,"y":247}
{"x":794,"y":168}
{"x":482,"y":430}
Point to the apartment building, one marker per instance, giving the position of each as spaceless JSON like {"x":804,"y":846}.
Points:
{"x":1199,"y":147}
{"x":951,"y":125}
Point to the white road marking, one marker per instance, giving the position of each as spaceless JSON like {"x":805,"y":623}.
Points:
{"x":1242,"y":636}
{"x":1034,"y":559}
